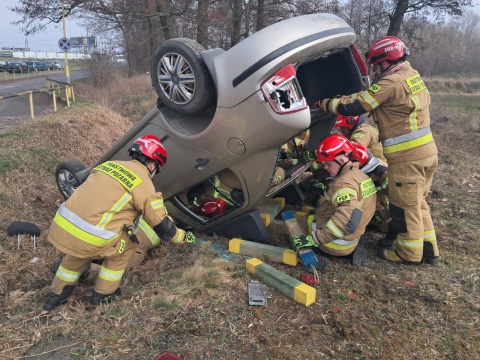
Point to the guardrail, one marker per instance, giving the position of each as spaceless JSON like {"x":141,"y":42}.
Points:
{"x":30,"y":73}
{"x":53,"y":87}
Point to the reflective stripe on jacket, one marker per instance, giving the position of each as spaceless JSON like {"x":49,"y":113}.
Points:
{"x":345,"y":211}
{"x":93,"y":221}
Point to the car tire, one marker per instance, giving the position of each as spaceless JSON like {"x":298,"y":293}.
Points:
{"x":196,"y":91}
{"x":68,"y":178}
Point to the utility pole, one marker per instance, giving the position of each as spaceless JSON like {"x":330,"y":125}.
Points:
{"x":67,"y":70}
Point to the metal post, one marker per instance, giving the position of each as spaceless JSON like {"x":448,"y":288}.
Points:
{"x":54,"y":98}
{"x":30,"y":99}
{"x":66,"y":95}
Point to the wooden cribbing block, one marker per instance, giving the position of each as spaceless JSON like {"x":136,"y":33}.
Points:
{"x":277,"y":227}
{"x":308,"y":209}
{"x":293,"y":226}
{"x":293,"y":288}
{"x":306,"y":255}
{"x":274,"y":253}
{"x":302,"y":218}
{"x":270,"y":209}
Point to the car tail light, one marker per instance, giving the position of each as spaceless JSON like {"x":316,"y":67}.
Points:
{"x":283,"y":92}
{"x":359,"y":61}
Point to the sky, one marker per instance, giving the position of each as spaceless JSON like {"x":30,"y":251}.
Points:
{"x":11,"y":35}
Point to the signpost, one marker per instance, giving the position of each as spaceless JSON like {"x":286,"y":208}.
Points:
{"x":64,"y":44}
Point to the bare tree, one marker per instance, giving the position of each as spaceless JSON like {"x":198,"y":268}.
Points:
{"x":438,"y":8}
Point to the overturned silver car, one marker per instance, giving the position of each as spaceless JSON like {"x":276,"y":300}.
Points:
{"x":225,"y":115}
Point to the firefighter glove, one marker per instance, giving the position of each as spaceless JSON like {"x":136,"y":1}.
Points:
{"x":190,"y":238}
{"x":303,"y":241}
{"x":322,"y":104}
{"x":320,"y":187}
{"x":308,"y":155}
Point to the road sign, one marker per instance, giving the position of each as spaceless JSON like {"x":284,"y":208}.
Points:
{"x":64,"y":44}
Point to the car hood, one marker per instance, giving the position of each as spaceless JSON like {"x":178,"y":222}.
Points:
{"x":241,"y":70}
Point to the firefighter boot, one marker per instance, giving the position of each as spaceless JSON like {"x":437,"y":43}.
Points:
{"x":54,"y":299}
{"x":388,"y":241}
{"x":83,"y":276}
{"x":429,"y":257}
{"x":98,"y":298}
{"x":391,"y":255}
{"x":359,"y":255}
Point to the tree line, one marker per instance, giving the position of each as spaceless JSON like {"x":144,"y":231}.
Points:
{"x":442,"y":34}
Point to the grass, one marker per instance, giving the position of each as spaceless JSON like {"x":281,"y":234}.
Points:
{"x":193,"y":303}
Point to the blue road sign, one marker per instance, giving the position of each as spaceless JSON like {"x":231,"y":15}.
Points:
{"x":64,"y":44}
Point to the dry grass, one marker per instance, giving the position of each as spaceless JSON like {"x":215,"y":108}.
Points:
{"x":130,"y":97}
{"x":192,"y":302}
{"x":454,"y":85}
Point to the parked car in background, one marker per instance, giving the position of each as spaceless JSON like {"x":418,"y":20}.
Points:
{"x":4,"y":65}
{"x":49,"y":64}
{"x":17,"y":67}
{"x":57,"y":65}
{"x":224,"y":115}
{"x":37,"y":66}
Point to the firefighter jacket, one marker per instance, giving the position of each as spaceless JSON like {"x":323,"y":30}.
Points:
{"x":367,"y":135}
{"x":399,"y":103}
{"x":345,"y":211}
{"x":94,"y":221}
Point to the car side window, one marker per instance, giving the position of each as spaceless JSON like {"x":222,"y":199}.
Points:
{"x":214,"y":197}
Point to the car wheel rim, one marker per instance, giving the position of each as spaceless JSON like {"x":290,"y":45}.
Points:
{"x":67,"y":182}
{"x":176,"y":78}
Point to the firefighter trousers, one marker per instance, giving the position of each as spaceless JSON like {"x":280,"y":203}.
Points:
{"x":408,"y":185}
{"x":108,"y":278}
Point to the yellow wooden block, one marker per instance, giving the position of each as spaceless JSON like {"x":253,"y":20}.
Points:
{"x":305,"y":294}
{"x":290,"y":257}
{"x":300,"y":215}
{"x":308,"y":209}
{"x":252,"y":264}
{"x":234,"y":245}
{"x":266,"y":218}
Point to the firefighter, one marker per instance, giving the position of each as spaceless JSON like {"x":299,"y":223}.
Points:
{"x":399,"y":103}
{"x":345,"y":209}
{"x":147,"y":240}
{"x":355,"y":129}
{"x":97,"y":222}
{"x":378,"y":172}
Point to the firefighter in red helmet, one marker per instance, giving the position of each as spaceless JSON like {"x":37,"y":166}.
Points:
{"x":355,"y":129}
{"x":99,"y":221}
{"x":399,"y":103}
{"x":378,"y":172}
{"x":345,"y":209}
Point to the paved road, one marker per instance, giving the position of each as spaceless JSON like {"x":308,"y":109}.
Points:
{"x":16,"y":110}
{"x":10,"y":87}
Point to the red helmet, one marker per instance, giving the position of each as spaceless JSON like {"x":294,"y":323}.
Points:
{"x":360,"y":154}
{"x":346,"y":121}
{"x":386,"y":48}
{"x":332,"y":146}
{"x":212,"y":207}
{"x":151,"y":147}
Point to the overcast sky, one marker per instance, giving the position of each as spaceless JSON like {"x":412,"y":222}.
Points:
{"x":11,"y":36}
